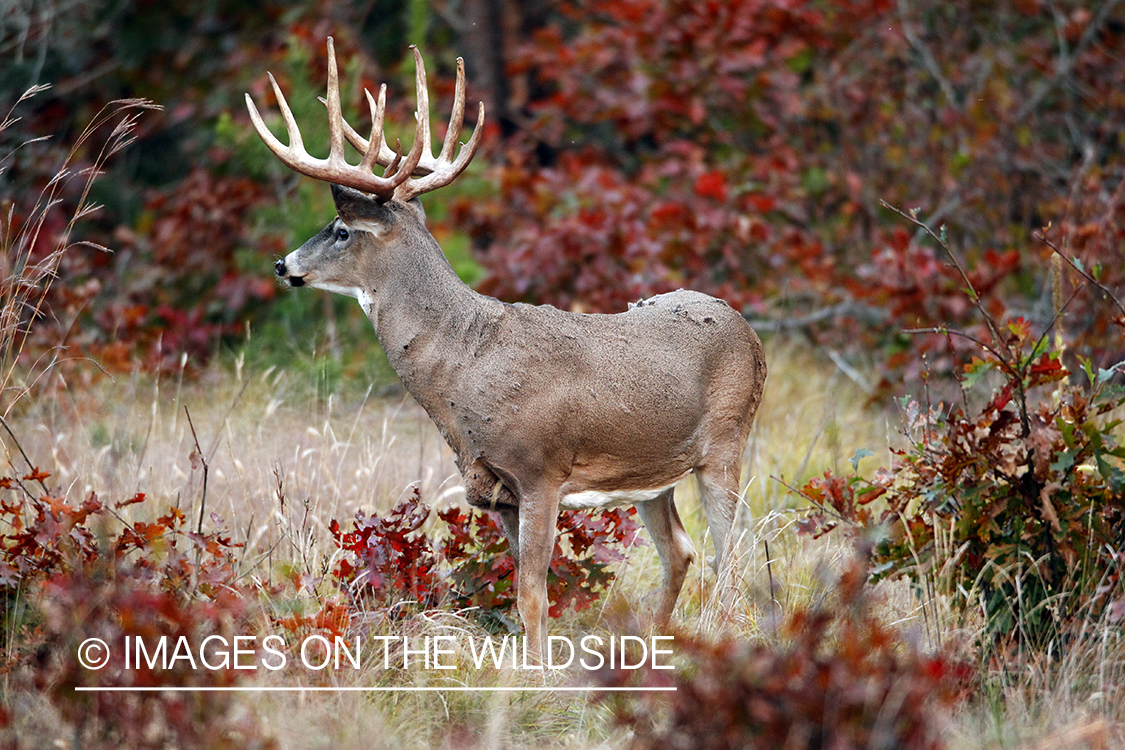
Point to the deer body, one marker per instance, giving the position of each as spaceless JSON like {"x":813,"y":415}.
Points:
{"x":546,"y":409}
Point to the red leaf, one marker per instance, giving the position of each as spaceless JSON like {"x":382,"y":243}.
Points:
{"x":36,"y":475}
{"x":712,"y":185}
{"x":137,"y":498}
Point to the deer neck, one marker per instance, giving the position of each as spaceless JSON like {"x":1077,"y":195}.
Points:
{"x":428,"y":322}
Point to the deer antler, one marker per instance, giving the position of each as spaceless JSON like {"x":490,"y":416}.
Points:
{"x":433,"y":173}
{"x":395,"y":183}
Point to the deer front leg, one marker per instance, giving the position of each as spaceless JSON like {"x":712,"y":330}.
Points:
{"x":537,"y":517}
{"x":510,"y":523}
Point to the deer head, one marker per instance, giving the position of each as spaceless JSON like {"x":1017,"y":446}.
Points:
{"x":325,"y":262}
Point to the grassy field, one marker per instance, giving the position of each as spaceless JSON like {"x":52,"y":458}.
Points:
{"x":284,"y":456}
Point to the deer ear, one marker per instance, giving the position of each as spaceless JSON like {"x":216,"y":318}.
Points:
{"x":355,"y":207}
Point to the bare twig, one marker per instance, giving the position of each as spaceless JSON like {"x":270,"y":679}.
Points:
{"x":1064,"y":67}
{"x":1010,"y":360}
{"x":1042,"y":237}
{"x":845,"y":367}
{"x":789,"y":322}
{"x":769,"y":574}
{"x":974,"y":296}
{"x":1061,"y":308}
{"x":927,"y":56}
{"x":951,"y":332}
{"x":198,"y":454}
{"x":826,"y":508}
{"x":34,"y":469}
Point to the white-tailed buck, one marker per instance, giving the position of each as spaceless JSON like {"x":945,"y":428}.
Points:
{"x":545,"y":409}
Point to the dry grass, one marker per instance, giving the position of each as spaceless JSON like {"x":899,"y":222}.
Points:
{"x":31,"y":251}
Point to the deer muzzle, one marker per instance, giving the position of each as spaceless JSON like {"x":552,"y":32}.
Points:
{"x":282,"y":272}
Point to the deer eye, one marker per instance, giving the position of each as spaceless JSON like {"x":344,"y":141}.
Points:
{"x":341,"y":234}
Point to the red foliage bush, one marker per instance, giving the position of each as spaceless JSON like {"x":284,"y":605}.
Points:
{"x":740,"y":147}
{"x":120,"y":604}
{"x":1017,"y":505}
{"x":388,"y":558}
{"x":392,"y":559}
{"x":176,"y":288}
{"x":837,"y":678}
{"x":578,"y":575}
{"x":95,"y":575}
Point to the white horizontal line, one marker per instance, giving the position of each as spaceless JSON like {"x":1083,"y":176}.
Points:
{"x":421,"y":689}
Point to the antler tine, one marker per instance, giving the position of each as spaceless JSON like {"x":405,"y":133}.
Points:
{"x":457,"y":119}
{"x":373,"y":149}
{"x":335,"y":168}
{"x":446,"y":168}
{"x":393,"y":166}
{"x":335,"y":115}
{"x":384,"y":155}
{"x":422,"y":113}
{"x":283,"y":152}
{"x":445,"y":171}
{"x":408,"y":167}
{"x":470,"y":148}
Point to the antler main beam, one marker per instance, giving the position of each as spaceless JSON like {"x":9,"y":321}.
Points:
{"x":395,"y":183}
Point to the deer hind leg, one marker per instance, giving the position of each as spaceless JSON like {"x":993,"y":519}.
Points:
{"x":718,"y":485}
{"x":673,"y":545}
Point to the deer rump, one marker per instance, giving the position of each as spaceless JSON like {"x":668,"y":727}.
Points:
{"x":612,"y":409}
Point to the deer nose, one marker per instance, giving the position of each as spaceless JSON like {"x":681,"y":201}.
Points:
{"x":279,"y":268}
